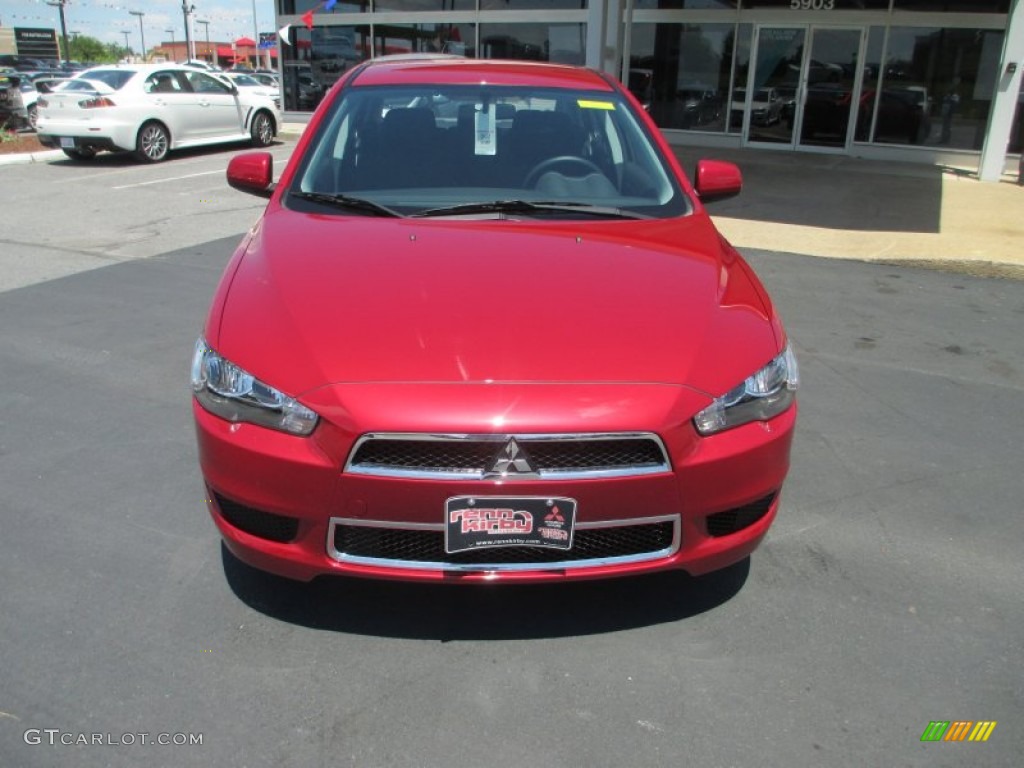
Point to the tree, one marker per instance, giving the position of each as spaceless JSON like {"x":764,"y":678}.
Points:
{"x":86,"y":48}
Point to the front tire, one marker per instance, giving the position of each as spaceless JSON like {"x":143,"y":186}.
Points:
{"x":262,"y":130}
{"x":153,"y":143}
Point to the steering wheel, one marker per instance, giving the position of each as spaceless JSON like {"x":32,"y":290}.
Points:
{"x":546,"y":165}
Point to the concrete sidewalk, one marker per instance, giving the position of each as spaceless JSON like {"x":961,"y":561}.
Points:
{"x":841,"y":207}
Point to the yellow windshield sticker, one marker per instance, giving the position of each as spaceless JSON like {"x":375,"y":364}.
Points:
{"x":587,"y":104}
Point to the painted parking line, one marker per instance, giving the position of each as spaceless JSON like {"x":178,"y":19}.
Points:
{"x":221,"y":170}
{"x":169,"y":179}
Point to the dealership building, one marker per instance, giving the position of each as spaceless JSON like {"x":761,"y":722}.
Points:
{"x":931,"y":81}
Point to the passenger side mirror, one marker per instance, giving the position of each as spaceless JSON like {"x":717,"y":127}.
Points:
{"x":717,"y":180}
{"x":252,"y":172}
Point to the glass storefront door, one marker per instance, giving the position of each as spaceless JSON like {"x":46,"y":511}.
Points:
{"x":767,"y":106}
{"x":830,"y":85}
{"x":802,"y":88}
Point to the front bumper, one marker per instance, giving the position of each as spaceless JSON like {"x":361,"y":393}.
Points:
{"x":288,"y":505}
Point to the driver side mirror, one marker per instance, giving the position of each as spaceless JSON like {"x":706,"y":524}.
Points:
{"x":717,"y":180}
{"x":252,"y":172}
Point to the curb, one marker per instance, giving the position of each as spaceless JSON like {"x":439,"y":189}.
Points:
{"x":22,"y":158}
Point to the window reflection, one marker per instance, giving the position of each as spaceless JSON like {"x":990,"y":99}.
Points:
{"x":936,"y":87}
{"x":424,"y":5}
{"x":690,"y":5}
{"x":532,"y":5}
{"x":292,"y":7}
{"x":956,"y":6}
{"x":315,"y":59}
{"x":458,"y":39}
{"x":820,"y":5}
{"x":680,"y":73}
{"x":562,"y":43}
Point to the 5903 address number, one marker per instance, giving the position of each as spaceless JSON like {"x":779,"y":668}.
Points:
{"x":812,"y":5}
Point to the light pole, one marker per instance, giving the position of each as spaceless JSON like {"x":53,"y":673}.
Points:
{"x":64,"y":29}
{"x":206,"y":27}
{"x":255,"y":26}
{"x":142,"y":35}
{"x":186,"y":11}
{"x":174,"y":50}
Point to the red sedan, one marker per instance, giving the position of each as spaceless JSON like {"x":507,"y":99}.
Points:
{"x":486,"y":331}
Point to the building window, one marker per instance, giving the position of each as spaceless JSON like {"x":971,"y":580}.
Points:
{"x":459,"y":39}
{"x":424,"y":5}
{"x":820,"y":5}
{"x":690,"y":5}
{"x":315,"y":58}
{"x":294,"y":7}
{"x":937,"y":86}
{"x":680,"y":73}
{"x":562,"y":43}
{"x":953,"y":6}
{"x":532,"y":5}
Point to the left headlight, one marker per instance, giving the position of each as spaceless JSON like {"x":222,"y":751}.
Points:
{"x":760,"y":397}
{"x":226,"y":390}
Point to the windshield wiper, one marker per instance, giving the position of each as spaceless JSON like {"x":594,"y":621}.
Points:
{"x":528,"y":207}
{"x":351,"y":203}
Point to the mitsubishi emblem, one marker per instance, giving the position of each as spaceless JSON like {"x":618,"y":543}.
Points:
{"x":511,"y":460}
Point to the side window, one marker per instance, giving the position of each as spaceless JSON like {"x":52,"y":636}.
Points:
{"x":162,"y":82}
{"x":203,"y":83}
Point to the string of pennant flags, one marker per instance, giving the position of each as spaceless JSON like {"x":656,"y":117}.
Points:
{"x":307,"y":19}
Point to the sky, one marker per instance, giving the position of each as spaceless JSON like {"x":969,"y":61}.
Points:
{"x":107,"y":20}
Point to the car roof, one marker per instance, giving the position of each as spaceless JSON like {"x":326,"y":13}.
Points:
{"x":441,"y":69}
{"x":144,"y":68}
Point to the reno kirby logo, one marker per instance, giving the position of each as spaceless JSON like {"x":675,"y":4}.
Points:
{"x":493,"y":521}
{"x":504,"y":521}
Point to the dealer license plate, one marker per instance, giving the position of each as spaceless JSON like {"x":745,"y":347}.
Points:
{"x":66,"y":143}
{"x":481,"y":522}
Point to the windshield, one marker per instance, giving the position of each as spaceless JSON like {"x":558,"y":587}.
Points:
{"x":422,"y":148}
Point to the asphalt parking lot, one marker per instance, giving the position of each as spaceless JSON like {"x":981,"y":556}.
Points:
{"x":886,"y":596}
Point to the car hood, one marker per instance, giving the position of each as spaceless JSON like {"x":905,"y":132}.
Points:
{"x":321,"y":299}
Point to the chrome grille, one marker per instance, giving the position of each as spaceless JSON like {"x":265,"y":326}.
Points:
{"x":472,"y":456}
{"x":423,"y":547}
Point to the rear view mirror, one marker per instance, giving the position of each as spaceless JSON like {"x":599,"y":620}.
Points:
{"x":252,"y":172}
{"x":717,"y":180}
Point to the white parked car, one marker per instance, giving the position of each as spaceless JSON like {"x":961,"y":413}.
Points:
{"x":151,"y":110}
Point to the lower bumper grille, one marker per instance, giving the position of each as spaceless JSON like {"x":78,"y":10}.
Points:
{"x":400,"y":547}
{"x":266,"y":525}
{"x":733,"y":520}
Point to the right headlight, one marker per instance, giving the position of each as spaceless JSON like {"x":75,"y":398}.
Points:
{"x":226,"y":390}
{"x":762,"y":396}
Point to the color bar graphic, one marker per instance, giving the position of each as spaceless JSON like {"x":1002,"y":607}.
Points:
{"x":958,"y":730}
